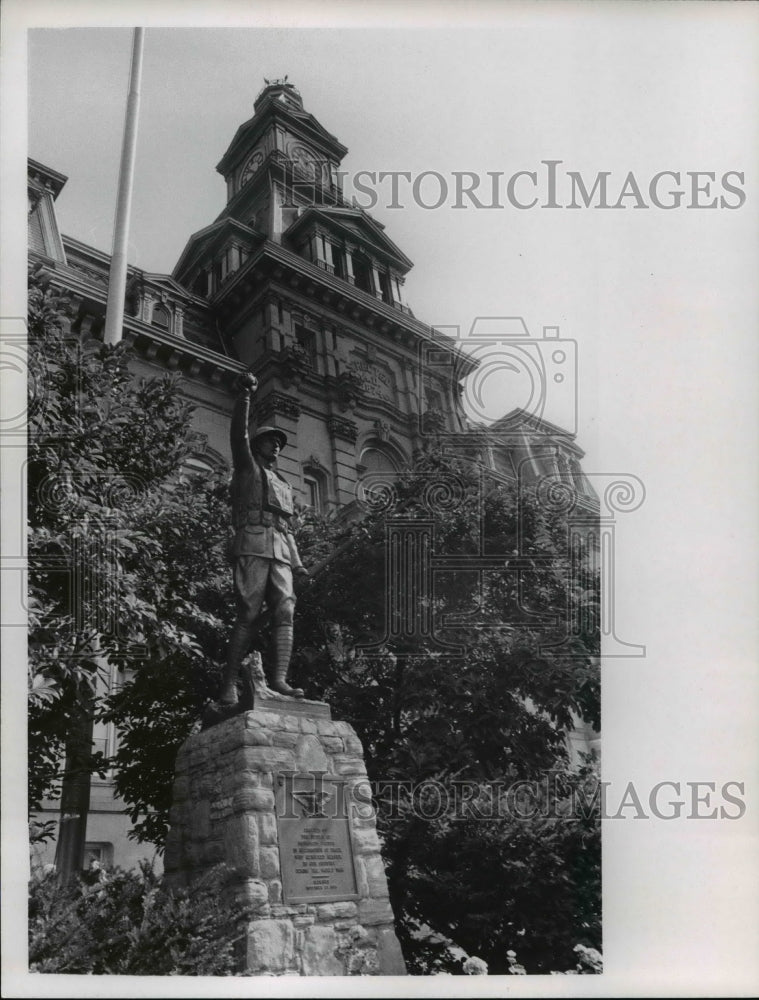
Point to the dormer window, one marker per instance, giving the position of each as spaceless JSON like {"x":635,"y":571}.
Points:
{"x":161,"y":318}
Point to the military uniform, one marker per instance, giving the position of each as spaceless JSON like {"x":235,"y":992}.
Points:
{"x":263,"y":553}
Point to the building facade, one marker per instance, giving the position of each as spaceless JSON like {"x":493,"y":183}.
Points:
{"x":307,"y":290}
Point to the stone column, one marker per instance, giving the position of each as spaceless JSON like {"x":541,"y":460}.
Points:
{"x":376,"y":282}
{"x":272,"y":793}
{"x":178,"y":321}
{"x":349,"y":275}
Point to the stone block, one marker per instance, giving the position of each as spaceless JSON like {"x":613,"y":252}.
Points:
{"x":310,"y":754}
{"x":332,"y":744}
{"x":257,"y":738}
{"x":268,"y":859}
{"x":374,"y":911}
{"x":344,"y":729}
{"x":241,"y":844}
{"x":259,"y":719}
{"x":362,"y":880}
{"x":253,"y":892}
{"x":336,"y":911}
{"x":326,"y":728}
{"x":365,"y":841}
{"x":221,"y":808}
{"x":275,"y":891}
{"x":354,"y":745}
{"x":240,"y":778}
{"x":267,"y":828}
{"x":308,"y":726}
{"x":290,"y":723}
{"x":270,"y":946}
{"x":268,"y":758}
{"x":285,"y":740}
{"x":247,"y":799}
{"x":319,"y":956}
{"x":346,"y":764}
{"x":389,"y":954}
{"x":375,"y":874}
{"x":345,"y":926}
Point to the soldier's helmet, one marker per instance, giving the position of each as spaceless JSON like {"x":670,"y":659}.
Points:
{"x":275,"y":431}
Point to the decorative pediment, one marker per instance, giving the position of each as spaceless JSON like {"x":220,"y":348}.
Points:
{"x":356,"y":226}
{"x":205,"y":242}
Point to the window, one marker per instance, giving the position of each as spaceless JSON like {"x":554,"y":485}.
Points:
{"x":362,"y":274}
{"x":315,"y":487}
{"x":100,"y":851}
{"x":313,"y":492}
{"x":387,"y":292}
{"x":307,"y":342}
{"x":161,"y":317}
{"x":338,"y":259}
{"x":374,"y":460}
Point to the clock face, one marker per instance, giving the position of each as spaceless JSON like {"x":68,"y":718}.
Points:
{"x":251,"y":167}
{"x":304,"y":158}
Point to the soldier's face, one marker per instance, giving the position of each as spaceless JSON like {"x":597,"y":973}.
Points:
{"x":268,"y":446}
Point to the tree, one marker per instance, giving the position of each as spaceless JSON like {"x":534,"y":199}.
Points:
{"x":107,"y":505}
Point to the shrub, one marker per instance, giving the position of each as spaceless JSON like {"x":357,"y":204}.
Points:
{"x":129,"y":923}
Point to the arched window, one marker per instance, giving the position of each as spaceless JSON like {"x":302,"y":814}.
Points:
{"x":376,"y":458}
{"x":161,"y":318}
{"x":315,"y":488}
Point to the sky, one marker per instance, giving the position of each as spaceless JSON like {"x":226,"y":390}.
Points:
{"x":660,"y":303}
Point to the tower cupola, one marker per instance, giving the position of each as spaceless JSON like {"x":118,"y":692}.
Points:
{"x":282,"y":91}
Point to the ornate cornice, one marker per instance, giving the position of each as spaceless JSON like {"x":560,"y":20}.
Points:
{"x":278,"y":402}
{"x":340,"y":427}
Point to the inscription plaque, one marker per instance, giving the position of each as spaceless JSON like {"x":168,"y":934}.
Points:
{"x":315,"y":850}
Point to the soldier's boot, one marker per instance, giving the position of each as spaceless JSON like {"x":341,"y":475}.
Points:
{"x":239,"y":644}
{"x":281,"y":648}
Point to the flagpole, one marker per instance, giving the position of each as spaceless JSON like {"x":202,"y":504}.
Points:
{"x":114,"y":312}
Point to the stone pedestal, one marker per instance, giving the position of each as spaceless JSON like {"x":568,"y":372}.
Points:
{"x":279,"y":794}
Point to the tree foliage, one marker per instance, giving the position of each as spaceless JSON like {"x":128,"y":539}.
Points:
{"x":115,"y":580}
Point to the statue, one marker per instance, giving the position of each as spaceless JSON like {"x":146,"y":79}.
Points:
{"x":264,"y":554}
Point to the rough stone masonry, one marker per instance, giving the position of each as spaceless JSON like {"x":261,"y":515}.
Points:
{"x":224,"y":811}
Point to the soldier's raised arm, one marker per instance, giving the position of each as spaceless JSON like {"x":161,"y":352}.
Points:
{"x":239,"y":439}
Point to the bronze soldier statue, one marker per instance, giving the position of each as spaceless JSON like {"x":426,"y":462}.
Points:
{"x":264,"y":554}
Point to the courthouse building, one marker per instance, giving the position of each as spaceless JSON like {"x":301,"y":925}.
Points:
{"x":308,"y":289}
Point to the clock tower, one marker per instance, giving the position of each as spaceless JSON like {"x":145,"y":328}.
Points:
{"x":308,"y":291}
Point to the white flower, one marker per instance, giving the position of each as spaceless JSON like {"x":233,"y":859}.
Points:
{"x":475,"y":967}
